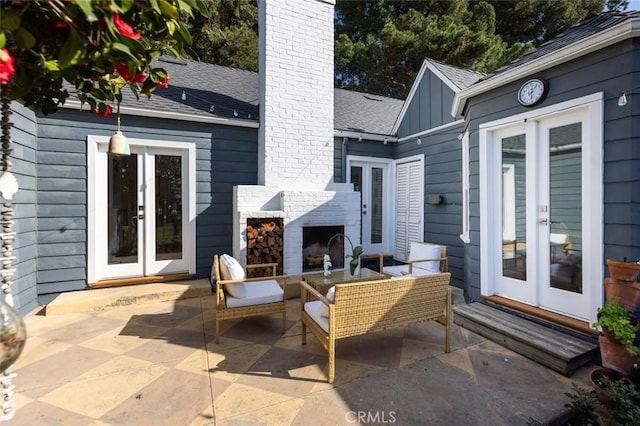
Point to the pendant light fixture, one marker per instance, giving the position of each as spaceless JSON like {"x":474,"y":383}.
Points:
{"x":118,"y":144}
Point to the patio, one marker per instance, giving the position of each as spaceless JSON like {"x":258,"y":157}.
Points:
{"x":157,"y":363}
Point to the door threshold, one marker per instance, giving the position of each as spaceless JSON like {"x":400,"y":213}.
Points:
{"x":118,"y":282}
{"x":541,"y":314}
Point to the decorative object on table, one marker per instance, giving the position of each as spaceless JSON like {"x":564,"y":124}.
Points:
{"x":356,"y":252}
{"x":326,"y":265}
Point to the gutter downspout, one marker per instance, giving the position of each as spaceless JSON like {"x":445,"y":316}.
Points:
{"x":345,"y":141}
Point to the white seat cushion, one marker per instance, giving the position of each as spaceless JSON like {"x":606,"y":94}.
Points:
{"x":425,"y":251}
{"x":230,"y":268}
{"x":330,"y":296}
{"x":254,"y":291}
{"x":314,"y":309}
{"x":403,"y":271}
{"x":396,"y":270}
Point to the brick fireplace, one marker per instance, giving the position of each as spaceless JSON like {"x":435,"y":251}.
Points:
{"x":296,"y":135}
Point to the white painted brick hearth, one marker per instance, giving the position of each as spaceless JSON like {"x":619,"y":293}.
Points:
{"x":295,"y":157}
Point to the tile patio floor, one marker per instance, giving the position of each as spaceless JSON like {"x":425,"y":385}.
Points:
{"x":157,"y":364}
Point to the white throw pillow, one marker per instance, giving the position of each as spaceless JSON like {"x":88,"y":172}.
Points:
{"x":230,"y":268}
{"x":425,"y":251}
{"x":331,"y":294}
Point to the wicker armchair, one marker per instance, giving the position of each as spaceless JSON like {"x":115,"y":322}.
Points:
{"x":260,"y":298}
{"x":416,"y":260}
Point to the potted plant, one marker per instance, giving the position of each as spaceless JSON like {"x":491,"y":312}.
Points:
{"x":618,"y":324}
{"x":617,"y":343}
{"x":625,"y":272}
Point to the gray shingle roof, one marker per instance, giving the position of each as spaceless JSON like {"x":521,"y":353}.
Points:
{"x":228,"y":90}
{"x":361,"y":112}
{"x":460,"y":77}
{"x":588,"y":27}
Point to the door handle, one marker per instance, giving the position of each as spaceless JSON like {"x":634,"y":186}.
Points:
{"x":543,"y":221}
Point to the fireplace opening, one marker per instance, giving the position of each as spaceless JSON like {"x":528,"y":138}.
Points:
{"x":265,"y":244}
{"x":314,"y":247}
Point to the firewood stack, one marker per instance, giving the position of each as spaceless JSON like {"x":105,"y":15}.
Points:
{"x":264,"y":245}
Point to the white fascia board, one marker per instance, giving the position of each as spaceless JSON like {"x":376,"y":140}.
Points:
{"x":140,"y":112}
{"x":431,"y":131}
{"x":364,"y":135}
{"x":611,"y":36}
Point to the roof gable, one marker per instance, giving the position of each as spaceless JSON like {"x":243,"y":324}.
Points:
{"x":454,"y":78}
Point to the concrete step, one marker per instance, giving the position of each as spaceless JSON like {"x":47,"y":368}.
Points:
{"x":554,"y":349}
{"x":107,"y":298}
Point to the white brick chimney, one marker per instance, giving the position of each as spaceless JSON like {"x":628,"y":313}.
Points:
{"x":296,"y":145}
{"x":296,"y":93}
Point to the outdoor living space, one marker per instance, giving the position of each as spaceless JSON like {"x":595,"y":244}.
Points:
{"x":155,"y":362}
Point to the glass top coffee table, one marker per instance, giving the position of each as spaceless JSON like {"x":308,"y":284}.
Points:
{"x":320,"y":282}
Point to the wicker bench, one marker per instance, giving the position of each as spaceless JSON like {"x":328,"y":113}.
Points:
{"x":375,"y":305}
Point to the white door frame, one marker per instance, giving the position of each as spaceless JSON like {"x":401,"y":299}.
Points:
{"x":592,"y":190}
{"x":387,"y":166}
{"x":96,"y":193}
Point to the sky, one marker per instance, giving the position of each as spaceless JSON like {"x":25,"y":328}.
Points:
{"x":634,"y":5}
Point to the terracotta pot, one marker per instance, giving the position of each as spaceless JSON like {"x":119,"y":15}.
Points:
{"x":600,"y":378}
{"x":623,"y":271}
{"x":615,"y":356}
{"x":628,"y":293}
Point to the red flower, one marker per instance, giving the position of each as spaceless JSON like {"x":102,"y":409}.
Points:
{"x":107,"y":111}
{"x":164,"y":82}
{"x":7,"y":66}
{"x":124,"y":28}
{"x":139,"y":78}
{"x":123,"y":70}
{"x":54,"y":27}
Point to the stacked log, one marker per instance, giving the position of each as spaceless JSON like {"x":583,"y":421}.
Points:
{"x":265,"y":241}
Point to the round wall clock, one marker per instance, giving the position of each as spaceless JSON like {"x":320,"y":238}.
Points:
{"x":532,"y":92}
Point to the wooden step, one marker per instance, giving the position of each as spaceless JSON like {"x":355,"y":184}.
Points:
{"x":554,"y":349}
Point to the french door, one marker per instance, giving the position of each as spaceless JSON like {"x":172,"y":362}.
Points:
{"x":142,"y":213}
{"x":371,"y":179}
{"x":545,"y":212}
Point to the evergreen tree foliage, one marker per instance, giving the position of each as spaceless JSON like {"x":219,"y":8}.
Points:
{"x":229,"y":36}
{"x":381,"y":44}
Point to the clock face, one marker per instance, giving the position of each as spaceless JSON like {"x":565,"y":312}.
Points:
{"x":532,"y":92}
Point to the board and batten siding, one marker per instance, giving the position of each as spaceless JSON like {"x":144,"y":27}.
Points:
{"x":430,"y":106}
{"x":225,"y":156}
{"x":23,"y":157}
{"x":610,"y":72}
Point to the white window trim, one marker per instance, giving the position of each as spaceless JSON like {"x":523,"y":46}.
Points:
{"x":465,"y":236}
{"x":94,"y":198}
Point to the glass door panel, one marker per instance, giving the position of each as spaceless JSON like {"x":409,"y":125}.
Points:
{"x":514,"y":219}
{"x":122,"y":215}
{"x":168,"y":207}
{"x":565,"y":207}
{"x":377,"y":186}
